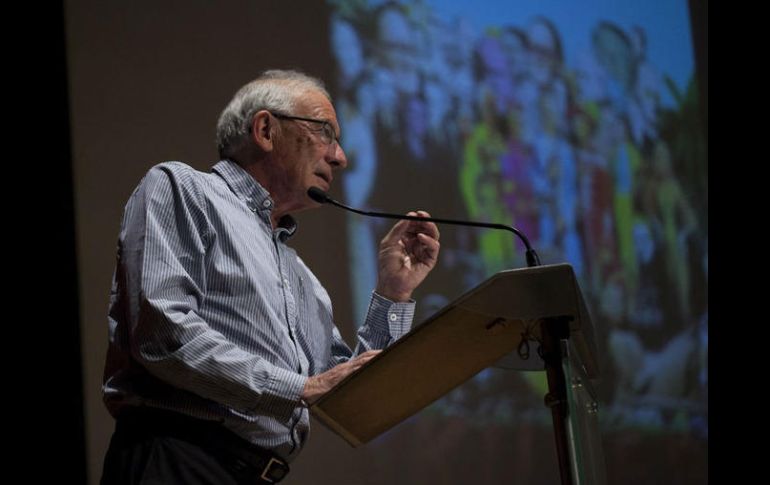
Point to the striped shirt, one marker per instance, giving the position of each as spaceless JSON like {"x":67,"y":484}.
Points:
{"x":214,"y":316}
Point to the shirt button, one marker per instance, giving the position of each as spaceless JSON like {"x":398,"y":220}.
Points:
{"x":393,"y":317}
{"x":266,"y":203}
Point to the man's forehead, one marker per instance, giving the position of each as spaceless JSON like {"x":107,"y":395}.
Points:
{"x":314,"y":101}
{"x":315,"y":104}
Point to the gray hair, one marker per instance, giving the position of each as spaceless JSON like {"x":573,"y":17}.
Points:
{"x":274,"y":90}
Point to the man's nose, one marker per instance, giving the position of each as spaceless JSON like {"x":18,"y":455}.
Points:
{"x":336,"y":157}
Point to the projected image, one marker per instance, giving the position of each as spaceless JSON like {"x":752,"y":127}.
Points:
{"x":578,"y":126}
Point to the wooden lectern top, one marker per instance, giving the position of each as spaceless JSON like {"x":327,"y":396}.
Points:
{"x":470,"y":334}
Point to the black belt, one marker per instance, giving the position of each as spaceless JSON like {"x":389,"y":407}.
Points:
{"x":242,"y":457}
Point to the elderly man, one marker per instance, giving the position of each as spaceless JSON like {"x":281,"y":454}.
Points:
{"x":219,"y":333}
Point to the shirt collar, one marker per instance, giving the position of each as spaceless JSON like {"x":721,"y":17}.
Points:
{"x":256,"y":197}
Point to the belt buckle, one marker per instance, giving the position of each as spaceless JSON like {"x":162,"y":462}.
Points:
{"x":265,"y":473}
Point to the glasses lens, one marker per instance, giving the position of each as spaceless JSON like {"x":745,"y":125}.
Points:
{"x":328,"y":133}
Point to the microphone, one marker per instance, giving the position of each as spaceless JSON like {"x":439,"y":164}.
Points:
{"x":322,"y":197}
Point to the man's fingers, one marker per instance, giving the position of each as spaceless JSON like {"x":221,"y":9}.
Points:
{"x":429,"y":246}
{"x":367,"y":356}
{"x":428,"y":228}
{"x":320,"y":384}
{"x":359,"y":361}
{"x":398,"y":230}
{"x":410,"y":229}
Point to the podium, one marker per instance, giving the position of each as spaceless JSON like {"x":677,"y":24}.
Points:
{"x":522,"y":319}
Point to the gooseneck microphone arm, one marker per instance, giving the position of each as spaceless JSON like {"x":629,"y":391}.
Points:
{"x":322,"y":197}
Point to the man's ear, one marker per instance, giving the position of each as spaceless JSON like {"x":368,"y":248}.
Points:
{"x":263,"y":130}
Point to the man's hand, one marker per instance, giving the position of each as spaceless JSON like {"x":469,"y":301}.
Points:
{"x":407,"y":254}
{"x":317,"y":386}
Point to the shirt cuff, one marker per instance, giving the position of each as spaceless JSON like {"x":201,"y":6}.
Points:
{"x":283,"y":394}
{"x":396,"y":317}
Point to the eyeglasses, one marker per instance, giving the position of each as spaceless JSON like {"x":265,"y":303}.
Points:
{"x":327,"y":132}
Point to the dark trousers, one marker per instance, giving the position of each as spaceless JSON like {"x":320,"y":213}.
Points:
{"x":158,"y":447}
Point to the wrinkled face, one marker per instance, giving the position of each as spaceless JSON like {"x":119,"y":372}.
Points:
{"x":305,"y":156}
